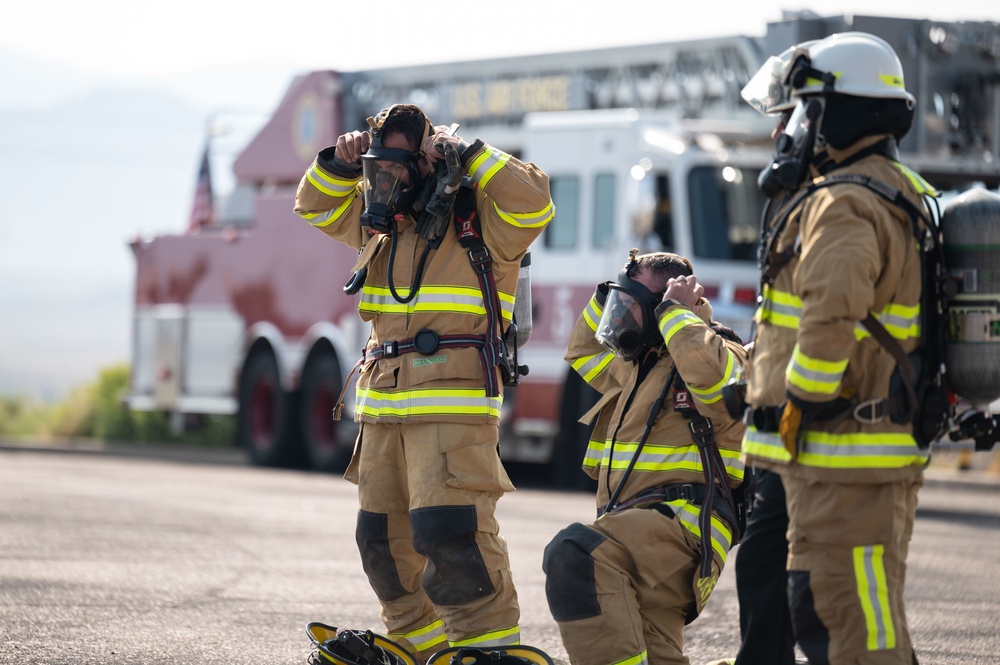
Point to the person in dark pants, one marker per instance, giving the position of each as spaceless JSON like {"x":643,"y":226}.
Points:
{"x":762,"y":581}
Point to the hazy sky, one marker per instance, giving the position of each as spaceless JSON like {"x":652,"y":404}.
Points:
{"x":140,"y":39}
{"x":76,"y":184}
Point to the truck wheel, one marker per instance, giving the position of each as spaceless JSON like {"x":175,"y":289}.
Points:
{"x":573,"y":437}
{"x":321,"y":435}
{"x":266,"y":425}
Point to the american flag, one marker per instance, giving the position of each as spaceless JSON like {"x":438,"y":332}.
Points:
{"x":202,"y":211}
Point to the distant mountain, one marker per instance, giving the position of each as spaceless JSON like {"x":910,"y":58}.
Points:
{"x":86,"y":164}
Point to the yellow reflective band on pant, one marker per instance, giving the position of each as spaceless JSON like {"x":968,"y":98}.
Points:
{"x":821,"y":377}
{"x":590,"y":367}
{"x":487,"y":164}
{"x":873,"y":593}
{"x":527,"y":220}
{"x":496,"y":638}
{"x":429,"y":402}
{"x":423,"y":639}
{"x":639,"y":659}
{"x":779,"y":308}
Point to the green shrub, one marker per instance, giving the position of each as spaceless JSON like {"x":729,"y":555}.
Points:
{"x":97,"y":411}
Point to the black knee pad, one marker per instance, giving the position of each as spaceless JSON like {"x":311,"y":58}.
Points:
{"x":372,"y":534}
{"x":456,"y":573}
{"x":810,"y":633}
{"x":569,"y":573}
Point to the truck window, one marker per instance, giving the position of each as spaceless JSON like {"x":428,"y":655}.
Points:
{"x":561,"y":233}
{"x":663,"y":219}
{"x":725,"y":209}
{"x":604,"y":210}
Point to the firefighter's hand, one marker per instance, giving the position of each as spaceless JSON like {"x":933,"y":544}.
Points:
{"x":788,"y":428}
{"x":432,"y":147}
{"x":352,"y":145}
{"x":684,"y":289}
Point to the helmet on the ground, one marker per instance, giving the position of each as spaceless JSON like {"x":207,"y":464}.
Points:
{"x":849,"y":63}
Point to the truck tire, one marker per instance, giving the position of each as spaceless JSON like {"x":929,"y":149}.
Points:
{"x":322,"y":438}
{"x":573,"y":437}
{"x":266,"y":421}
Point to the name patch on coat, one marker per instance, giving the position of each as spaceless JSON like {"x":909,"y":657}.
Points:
{"x":432,"y":360}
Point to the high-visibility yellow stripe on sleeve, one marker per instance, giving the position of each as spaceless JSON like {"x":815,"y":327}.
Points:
{"x":331,"y":185}
{"x":813,"y":375}
{"x":487,"y":164}
{"x":590,"y":367}
{"x":528,"y":220}
{"x":672,"y":321}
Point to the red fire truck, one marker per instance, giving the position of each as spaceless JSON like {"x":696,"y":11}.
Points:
{"x":646,"y":146}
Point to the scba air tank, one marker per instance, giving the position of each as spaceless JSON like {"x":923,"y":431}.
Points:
{"x":522,"y":301}
{"x":971,"y":230}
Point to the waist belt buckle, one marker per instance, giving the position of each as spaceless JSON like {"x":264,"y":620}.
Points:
{"x":390,"y":349}
{"x":686,"y":491}
{"x":872,"y":407}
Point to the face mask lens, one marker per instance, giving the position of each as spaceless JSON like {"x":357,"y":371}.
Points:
{"x":622,"y":328}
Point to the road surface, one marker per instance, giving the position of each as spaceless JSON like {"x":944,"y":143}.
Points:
{"x":107,"y":558}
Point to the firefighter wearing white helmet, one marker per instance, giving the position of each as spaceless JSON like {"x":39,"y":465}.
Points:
{"x":838,"y":263}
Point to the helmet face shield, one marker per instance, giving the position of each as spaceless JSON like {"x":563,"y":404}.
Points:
{"x":628,"y":326}
{"x":766,"y":91}
{"x":389,"y":176}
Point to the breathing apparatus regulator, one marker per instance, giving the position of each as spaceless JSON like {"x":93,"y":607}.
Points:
{"x":628,"y":324}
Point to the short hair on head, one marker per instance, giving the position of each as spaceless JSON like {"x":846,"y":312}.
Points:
{"x":406,"y":119}
{"x":664,"y":265}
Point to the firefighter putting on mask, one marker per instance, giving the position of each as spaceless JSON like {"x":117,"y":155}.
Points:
{"x":442,"y":227}
{"x":666,"y":457}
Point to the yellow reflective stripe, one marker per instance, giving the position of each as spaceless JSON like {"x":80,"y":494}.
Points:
{"x":496,"y":638}
{"x":487,"y":164}
{"x":595,"y":451}
{"x":814,"y":375}
{"x":638,"y":659}
{"x":330,"y":185}
{"x":765,"y":445}
{"x":430,"y":401}
{"x":667,"y":458}
{"x":527,"y":220}
{"x":431,"y":298}
{"x":327,"y":218}
{"x":689,"y":514}
{"x":592,"y":313}
{"x":673,"y":320}
{"x":589,"y":367}
{"x":424,"y":638}
{"x":713,"y":393}
{"x":918,"y":182}
{"x":873,"y":592}
{"x":779,"y":308}
{"x":901,"y":321}
{"x":859,"y":450}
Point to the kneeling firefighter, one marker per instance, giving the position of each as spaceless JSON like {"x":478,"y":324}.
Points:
{"x":832,"y":406}
{"x":442,"y":227}
{"x":665,"y":453}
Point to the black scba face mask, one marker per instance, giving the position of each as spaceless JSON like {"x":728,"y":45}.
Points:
{"x":628,"y":324}
{"x":392,"y":182}
{"x":793,"y":150}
